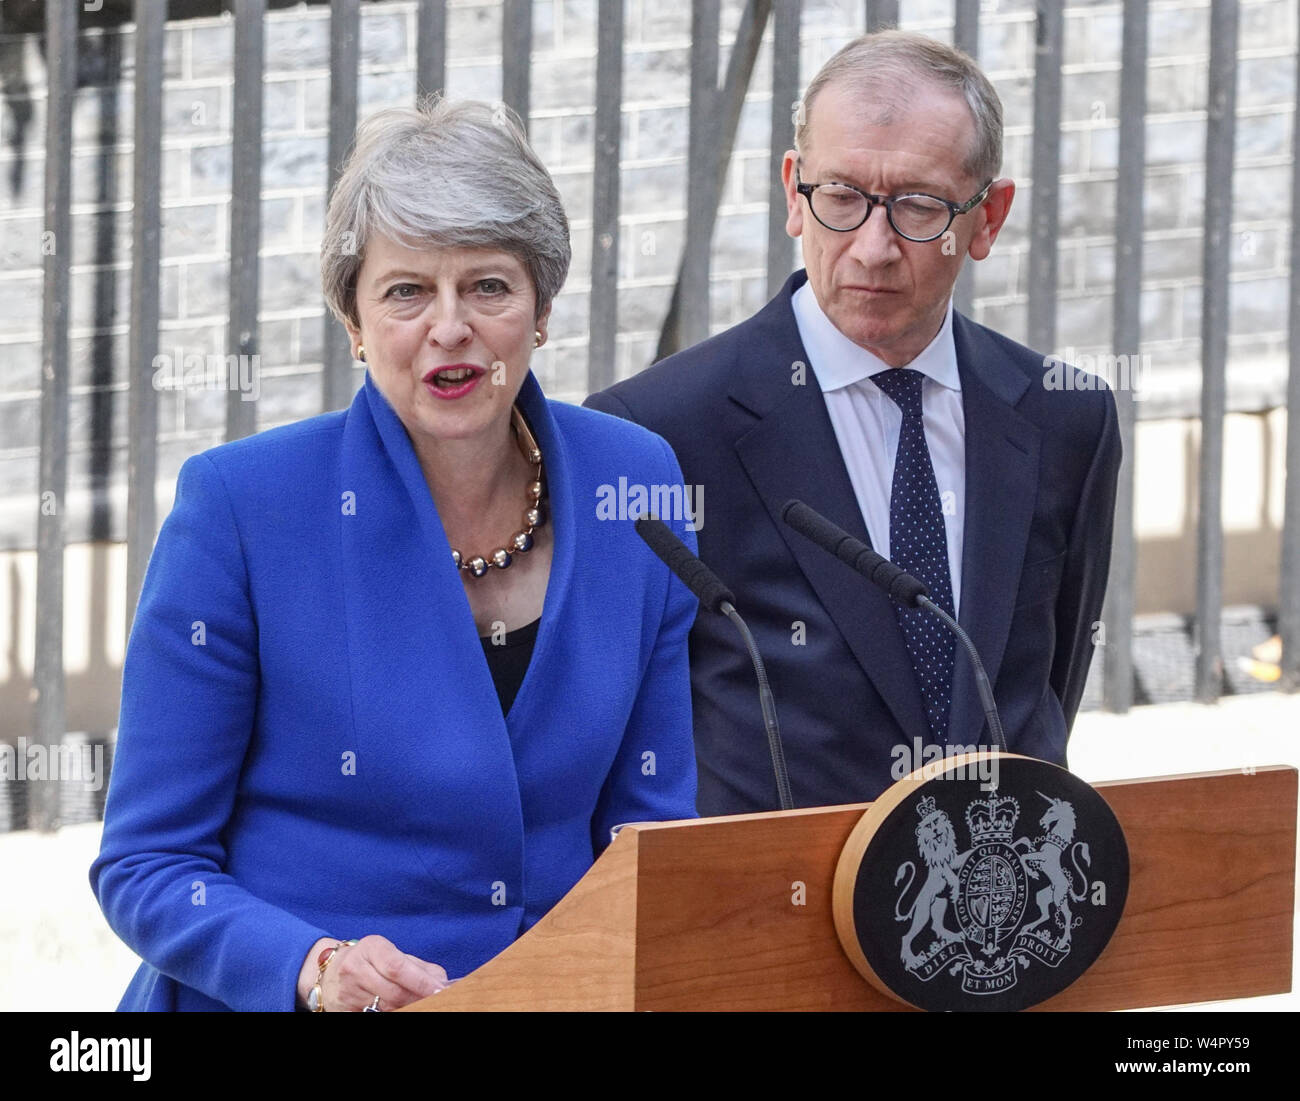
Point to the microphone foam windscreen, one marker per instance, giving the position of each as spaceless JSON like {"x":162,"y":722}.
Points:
{"x":677,"y":556}
{"x":905,"y":589}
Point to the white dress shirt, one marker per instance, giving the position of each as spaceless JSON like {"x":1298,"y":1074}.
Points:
{"x":867,"y":422}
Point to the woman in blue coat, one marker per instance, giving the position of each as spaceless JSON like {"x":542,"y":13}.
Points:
{"x":393,"y":675}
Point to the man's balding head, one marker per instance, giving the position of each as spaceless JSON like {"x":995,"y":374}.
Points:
{"x":884,"y":71}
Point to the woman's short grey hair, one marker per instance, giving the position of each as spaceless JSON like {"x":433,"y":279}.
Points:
{"x":446,"y":173}
{"x":885,"y":68}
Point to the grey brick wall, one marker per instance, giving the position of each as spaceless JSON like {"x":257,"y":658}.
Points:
{"x":196,"y":203}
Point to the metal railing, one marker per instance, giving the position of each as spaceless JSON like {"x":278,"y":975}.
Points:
{"x":715,"y":106}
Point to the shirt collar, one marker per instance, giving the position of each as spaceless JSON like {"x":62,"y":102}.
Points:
{"x":838,"y":362}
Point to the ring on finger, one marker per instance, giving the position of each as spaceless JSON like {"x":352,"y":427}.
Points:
{"x":373,"y":1007}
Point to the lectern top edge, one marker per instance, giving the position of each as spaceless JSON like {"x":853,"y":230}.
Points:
{"x":647,"y":827}
{"x":799,"y":812}
{"x":1211,"y":774}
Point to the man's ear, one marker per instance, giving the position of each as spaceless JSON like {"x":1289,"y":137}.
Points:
{"x":993,"y":212}
{"x":793,"y":207}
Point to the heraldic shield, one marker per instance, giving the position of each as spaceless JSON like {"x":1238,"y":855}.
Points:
{"x":960,"y":892}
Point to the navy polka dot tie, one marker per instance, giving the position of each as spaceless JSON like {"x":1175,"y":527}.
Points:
{"x":918,"y":544}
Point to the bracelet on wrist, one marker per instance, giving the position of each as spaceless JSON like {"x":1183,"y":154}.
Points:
{"x":314,"y":1002}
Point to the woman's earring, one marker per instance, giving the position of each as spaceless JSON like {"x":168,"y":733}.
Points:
{"x":361,"y":352}
{"x":537,"y":338}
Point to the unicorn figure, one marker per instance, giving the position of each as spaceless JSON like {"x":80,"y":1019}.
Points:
{"x":1058,"y":892}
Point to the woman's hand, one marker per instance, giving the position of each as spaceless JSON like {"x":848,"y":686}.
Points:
{"x":372,"y":966}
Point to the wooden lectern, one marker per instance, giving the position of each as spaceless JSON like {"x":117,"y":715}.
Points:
{"x":735,"y":913}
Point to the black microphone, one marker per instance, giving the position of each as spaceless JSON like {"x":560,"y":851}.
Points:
{"x":677,"y":556}
{"x":901,"y":586}
{"x":714,"y":596}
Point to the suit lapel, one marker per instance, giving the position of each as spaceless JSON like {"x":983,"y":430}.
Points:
{"x":777,"y":454}
{"x":420,"y":686}
{"x":561,"y":514}
{"x":1001,"y":487}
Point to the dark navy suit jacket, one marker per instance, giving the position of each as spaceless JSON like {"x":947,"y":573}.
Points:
{"x":1041,"y":469}
{"x":310,"y":742}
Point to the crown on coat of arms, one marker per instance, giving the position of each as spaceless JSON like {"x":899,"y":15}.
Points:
{"x":992,"y":818}
{"x":926,"y":809}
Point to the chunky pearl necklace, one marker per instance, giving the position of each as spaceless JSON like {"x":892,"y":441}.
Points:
{"x":522,"y":540}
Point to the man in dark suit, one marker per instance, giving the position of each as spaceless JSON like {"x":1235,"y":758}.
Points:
{"x":970,"y":460}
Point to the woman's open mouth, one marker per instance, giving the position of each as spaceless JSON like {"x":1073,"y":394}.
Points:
{"x":454,"y":381}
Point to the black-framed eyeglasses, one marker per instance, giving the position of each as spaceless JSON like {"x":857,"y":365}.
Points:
{"x":915,"y":216}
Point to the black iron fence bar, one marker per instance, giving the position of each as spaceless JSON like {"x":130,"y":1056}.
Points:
{"x":345,"y":56}
{"x":786,"y":17}
{"x":1289,"y":583}
{"x":702,"y":184}
{"x":245,"y":209}
{"x":1220,"y":135}
{"x":430,"y":46}
{"x":602,"y":346}
{"x":142,"y":345}
{"x":881,"y":14}
{"x":705,"y":173}
{"x":1121,"y":601}
{"x":48,"y":674}
{"x":735,"y":83}
{"x":966,"y":26}
{"x":516,"y":55}
{"x":966,"y":36}
{"x":1045,"y":166}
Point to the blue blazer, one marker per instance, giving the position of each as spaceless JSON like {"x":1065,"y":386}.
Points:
{"x":310,"y":743}
{"x":1041,"y":469}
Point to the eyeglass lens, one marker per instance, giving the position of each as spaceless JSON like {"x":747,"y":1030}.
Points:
{"x":912,"y":215}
